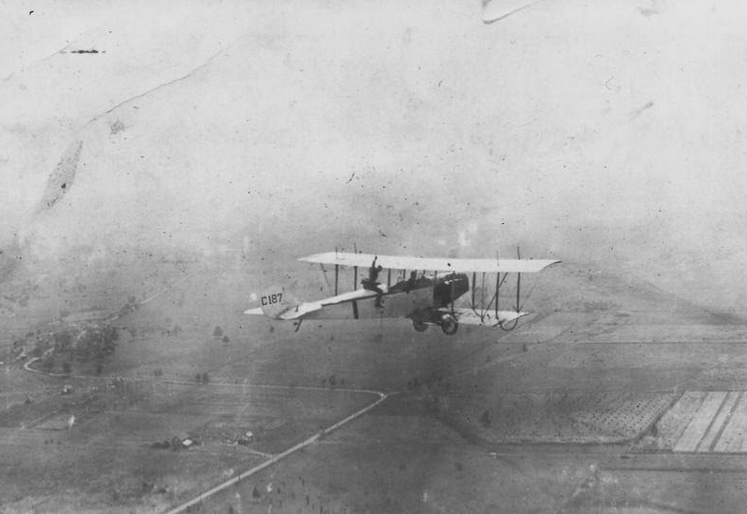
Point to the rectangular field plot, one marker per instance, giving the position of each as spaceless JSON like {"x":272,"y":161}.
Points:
{"x":700,"y":421}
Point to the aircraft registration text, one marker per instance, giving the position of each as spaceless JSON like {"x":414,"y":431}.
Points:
{"x":271,"y":299}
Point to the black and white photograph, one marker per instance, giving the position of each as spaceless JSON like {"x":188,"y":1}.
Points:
{"x":373,"y":256}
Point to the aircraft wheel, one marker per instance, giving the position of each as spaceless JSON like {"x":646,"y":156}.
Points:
{"x":419,"y":326}
{"x":449,"y":324}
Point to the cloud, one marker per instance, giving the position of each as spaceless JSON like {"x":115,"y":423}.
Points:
{"x":585,"y":131}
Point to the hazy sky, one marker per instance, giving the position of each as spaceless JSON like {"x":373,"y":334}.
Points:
{"x":598,"y":131}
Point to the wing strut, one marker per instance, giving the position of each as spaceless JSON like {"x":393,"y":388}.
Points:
{"x":497,"y":287}
{"x":337,"y":272}
{"x":474,"y":276}
{"x":355,"y":286}
{"x":518,"y":282}
{"x":452,"y":297}
{"x":482,"y":299}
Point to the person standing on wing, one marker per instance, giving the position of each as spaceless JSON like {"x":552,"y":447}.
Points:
{"x":372,"y":284}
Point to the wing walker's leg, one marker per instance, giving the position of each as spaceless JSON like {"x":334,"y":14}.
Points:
{"x":355,"y":278}
{"x":388,"y":278}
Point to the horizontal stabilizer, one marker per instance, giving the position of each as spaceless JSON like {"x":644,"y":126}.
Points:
{"x":290,"y":313}
{"x":296,"y":310}
{"x":364,"y":260}
{"x":300,"y":311}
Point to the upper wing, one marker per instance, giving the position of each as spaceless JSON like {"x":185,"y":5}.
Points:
{"x":433,"y":264}
{"x":498,"y":9}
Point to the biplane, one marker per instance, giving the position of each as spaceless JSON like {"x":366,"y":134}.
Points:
{"x":427,"y":295}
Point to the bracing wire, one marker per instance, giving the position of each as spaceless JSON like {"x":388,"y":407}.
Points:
{"x":324,"y":272}
{"x":531,"y":289}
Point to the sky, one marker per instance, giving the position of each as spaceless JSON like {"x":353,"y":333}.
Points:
{"x":607,"y":133}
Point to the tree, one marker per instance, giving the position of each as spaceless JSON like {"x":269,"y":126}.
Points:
{"x":485,"y":419}
{"x":96,"y":343}
{"x":110,"y":336}
{"x":218,"y":332}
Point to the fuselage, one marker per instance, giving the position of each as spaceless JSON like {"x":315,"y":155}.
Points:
{"x":414,"y":298}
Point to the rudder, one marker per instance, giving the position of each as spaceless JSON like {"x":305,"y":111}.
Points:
{"x":275,"y":301}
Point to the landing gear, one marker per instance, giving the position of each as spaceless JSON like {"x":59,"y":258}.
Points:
{"x":449,"y":324}
{"x":419,"y":326}
{"x":447,"y":321}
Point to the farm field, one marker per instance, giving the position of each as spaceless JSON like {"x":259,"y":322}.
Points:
{"x":560,"y":412}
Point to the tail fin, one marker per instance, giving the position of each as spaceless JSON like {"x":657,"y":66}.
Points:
{"x":274,"y":302}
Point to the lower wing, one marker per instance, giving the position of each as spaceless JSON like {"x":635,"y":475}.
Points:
{"x":488,"y":319}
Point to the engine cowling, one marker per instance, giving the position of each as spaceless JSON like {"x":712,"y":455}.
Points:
{"x":447,"y":289}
